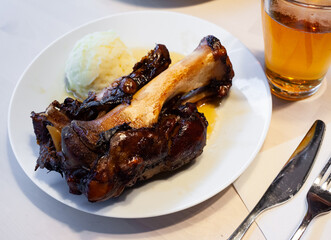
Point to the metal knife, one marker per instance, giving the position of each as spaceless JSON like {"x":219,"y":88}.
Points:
{"x":290,"y":179}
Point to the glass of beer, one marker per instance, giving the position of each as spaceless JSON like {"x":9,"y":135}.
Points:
{"x":297,"y":40}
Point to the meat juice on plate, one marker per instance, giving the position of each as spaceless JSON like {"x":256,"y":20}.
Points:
{"x":210,"y":112}
{"x":296,"y":50}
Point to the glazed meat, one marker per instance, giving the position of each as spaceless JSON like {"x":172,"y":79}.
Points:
{"x":104,"y":148}
{"x":138,"y":154}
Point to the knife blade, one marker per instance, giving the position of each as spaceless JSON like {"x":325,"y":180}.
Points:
{"x":290,"y":179}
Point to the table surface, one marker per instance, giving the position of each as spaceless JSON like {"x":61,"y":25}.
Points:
{"x":28,"y":26}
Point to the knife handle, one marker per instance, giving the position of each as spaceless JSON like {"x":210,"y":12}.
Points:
{"x":243,"y":227}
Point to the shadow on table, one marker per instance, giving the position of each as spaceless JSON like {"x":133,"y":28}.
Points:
{"x":164,"y":4}
{"x":80,"y":221}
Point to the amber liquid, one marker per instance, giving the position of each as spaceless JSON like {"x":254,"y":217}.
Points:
{"x":297,"y":54}
{"x":209,"y":110}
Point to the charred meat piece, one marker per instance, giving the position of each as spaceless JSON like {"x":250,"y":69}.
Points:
{"x":138,"y":154}
{"x":47,"y":128}
{"x":48,"y":125}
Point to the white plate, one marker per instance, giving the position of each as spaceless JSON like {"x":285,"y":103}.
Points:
{"x":242,"y":123}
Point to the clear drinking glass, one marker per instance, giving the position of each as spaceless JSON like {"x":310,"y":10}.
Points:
{"x":297,"y":39}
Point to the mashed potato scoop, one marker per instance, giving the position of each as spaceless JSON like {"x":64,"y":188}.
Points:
{"x":96,"y":61}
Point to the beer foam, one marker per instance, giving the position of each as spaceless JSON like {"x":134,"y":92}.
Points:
{"x":309,"y":14}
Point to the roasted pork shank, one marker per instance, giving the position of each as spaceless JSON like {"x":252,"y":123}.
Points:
{"x":156,"y":129}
